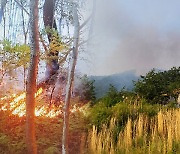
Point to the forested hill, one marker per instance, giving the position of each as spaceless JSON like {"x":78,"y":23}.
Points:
{"x":119,"y":81}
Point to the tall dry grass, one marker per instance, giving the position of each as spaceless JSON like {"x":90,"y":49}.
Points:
{"x":159,"y":134}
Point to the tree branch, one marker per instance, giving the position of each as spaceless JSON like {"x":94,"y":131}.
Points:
{"x":65,"y":57}
{"x":22,"y":6}
{"x":85,"y":22}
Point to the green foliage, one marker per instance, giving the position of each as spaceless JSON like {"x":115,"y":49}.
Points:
{"x":54,"y":47}
{"x":159,"y":87}
{"x":175,"y":147}
{"x":111,"y":105}
{"x":131,"y":107}
{"x":56,"y":43}
{"x":148,"y":109}
{"x":12,"y":139}
{"x":100,"y":114}
{"x":123,"y":104}
{"x":86,"y":90}
{"x":89,"y":93}
{"x":172,"y":104}
{"x":114,"y":96}
{"x":13,"y":56}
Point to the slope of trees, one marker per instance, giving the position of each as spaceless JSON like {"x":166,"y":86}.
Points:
{"x":141,"y":121}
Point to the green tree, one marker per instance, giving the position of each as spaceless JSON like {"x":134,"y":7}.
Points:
{"x":159,"y":87}
{"x":112,"y":97}
{"x":86,"y":89}
{"x":12,"y":57}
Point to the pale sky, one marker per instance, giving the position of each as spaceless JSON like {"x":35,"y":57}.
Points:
{"x":134,"y":35}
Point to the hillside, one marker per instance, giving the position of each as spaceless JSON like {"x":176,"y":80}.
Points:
{"x":119,"y":81}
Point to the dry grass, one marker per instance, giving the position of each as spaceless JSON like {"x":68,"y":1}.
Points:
{"x":160,"y":134}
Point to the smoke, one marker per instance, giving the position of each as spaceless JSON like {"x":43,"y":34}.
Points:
{"x":126,"y":39}
{"x":143,"y":50}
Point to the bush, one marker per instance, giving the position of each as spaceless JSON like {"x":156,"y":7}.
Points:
{"x":100,"y":114}
{"x":86,"y":90}
{"x":114,"y":96}
{"x":159,"y":87}
{"x":131,"y":107}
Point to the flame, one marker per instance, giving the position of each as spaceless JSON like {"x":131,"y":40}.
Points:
{"x":38,"y":92}
{"x":18,"y":106}
{"x":7,"y":97}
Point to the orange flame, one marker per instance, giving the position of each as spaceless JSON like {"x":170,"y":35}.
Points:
{"x":18,"y":106}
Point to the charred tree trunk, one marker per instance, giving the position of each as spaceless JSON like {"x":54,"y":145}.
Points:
{"x":32,"y":77}
{"x":52,"y":65}
{"x":65,"y":149}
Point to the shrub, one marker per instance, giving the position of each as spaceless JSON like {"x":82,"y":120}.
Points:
{"x":130,"y":108}
{"x":159,"y":87}
{"x":114,"y":96}
{"x":86,"y":90}
{"x":100,"y":114}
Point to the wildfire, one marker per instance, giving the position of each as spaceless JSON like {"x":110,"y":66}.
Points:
{"x":7,"y":97}
{"x":18,"y":106}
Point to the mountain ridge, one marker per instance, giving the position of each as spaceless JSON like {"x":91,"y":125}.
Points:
{"x":118,"y":80}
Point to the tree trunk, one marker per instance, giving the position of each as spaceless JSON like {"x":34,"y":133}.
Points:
{"x":2,"y":4}
{"x":52,"y":66}
{"x":32,"y":77}
{"x":65,"y":149}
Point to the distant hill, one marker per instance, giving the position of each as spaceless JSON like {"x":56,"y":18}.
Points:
{"x":119,"y":81}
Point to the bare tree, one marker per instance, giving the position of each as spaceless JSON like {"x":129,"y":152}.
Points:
{"x":2,"y":4}
{"x":65,"y":149}
{"x":70,"y":80}
{"x":32,"y":77}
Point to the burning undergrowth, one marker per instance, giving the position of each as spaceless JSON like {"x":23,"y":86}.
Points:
{"x":48,"y":131}
{"x":45,"y":107}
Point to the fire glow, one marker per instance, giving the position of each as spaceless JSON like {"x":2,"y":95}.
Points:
{"x":18,"y":106}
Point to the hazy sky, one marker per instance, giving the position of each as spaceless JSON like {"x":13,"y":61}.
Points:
{"x":134,"y":35}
